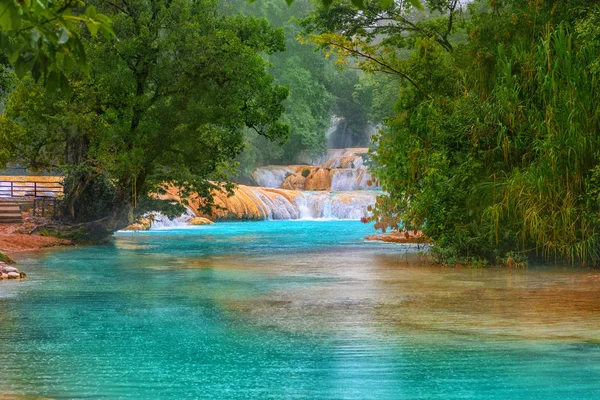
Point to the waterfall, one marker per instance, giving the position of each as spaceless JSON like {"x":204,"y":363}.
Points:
{"x":352,"y":179}
{"x":162,"y":221}
{"x":277,"y":206}
{"x":340,"y":187}
{"x":288,"y":204}
{"x":272,"y":176}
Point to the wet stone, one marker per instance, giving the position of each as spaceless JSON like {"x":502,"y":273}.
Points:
{"x":13,"y":275}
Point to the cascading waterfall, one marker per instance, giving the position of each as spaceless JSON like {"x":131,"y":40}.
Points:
{"x":272,"y":176}
{"x":339,"y":188}
{"x":162,"y":221}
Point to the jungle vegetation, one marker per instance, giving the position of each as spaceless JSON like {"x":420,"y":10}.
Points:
{"x":318,"y":92}
{"x":189,"y":93}
{"x":166,"y":101}
{"x":494,"y":148}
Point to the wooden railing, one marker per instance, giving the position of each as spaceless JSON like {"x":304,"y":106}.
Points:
{"x":30,"y":189}
{"x":49,"y":207}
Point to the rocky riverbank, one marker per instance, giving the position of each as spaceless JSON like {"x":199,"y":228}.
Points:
{"x":10,"y":272}
{"x":398,"y":237}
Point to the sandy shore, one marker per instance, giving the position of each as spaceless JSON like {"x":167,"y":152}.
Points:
{"x":13,"y":239}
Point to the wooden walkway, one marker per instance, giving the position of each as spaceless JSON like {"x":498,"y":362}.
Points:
{"x":28,"y":192}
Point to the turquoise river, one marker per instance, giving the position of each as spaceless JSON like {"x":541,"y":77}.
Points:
{"x":291,"y":310}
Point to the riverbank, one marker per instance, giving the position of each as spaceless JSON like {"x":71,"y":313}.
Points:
{"x":15,"y":238}
{"x":398,"y":237}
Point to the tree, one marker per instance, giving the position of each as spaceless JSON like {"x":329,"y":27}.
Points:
{"x":166,"y":103}
{"x":45,"y":37}
{"x":500,"y":159}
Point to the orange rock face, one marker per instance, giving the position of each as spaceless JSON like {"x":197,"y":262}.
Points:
{"x":318,"y":179}
{"x":294,"y":182}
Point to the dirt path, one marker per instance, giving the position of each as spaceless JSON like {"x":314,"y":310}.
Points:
{"x":13,"y":239}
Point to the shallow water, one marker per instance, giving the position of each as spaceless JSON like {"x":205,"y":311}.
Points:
{"x":292,"y":309}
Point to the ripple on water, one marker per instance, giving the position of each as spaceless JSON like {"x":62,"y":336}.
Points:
{"x":237,"y":313}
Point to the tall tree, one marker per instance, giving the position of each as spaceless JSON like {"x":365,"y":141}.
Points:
{"x":166,"y":103}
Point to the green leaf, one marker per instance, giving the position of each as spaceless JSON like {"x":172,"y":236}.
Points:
{"x":327,"y":3}
{"x":359,"y":3}
{"x":21,"y":68}
{"x":417,"y":4}
{"x":14,"y":56}
{"x":52,"y":82}
{"x":91,"y":11}
{"x":289,"y":2}
{"x":385,"y":4}
{"x":36,"y":70}
{"x":63,"y":35}
{"x":68,"y":64}
{"x":65,"y":86}
{"x":92,"y":27}
{"x":9,"y":16}
{"x":39,"y":6}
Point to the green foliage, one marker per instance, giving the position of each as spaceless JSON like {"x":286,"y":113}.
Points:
{"x":168,"y":208}
{"x":318,"y":91}
{"x":6,"y":259}
{"x":46,"y":37}
{"x":88,"y":197}
{"x":494,"y":144}
{"x":495,"y":148}
{"x":305,"y":73}
{"x":165,"y":104}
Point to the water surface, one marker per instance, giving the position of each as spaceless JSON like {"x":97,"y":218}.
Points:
{"x":292,"y":309}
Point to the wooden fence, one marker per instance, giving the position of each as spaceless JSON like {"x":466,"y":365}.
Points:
{"x":49,"y":207}
{"x":30,"y":189}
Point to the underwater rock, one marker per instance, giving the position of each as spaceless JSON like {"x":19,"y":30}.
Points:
{"x":22,"y":275}
{"x":13,"y":275}
{"x":200,"y":221}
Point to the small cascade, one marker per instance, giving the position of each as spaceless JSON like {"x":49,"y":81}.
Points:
{"x":339,"y":169}
{"x":162,"y":221}
{"x":277,"y":206}
{"x":272,"y":176}
{"x":352,"y":179}
{"x":340,"y":188}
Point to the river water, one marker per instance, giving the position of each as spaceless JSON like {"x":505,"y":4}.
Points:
{"x":292,"y":309}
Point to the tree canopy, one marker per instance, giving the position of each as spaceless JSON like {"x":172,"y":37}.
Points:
{"x":164,"y":103}
{"x":493,"y":151}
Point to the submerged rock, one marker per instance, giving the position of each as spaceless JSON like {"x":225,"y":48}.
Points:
{"x":13,"y":275}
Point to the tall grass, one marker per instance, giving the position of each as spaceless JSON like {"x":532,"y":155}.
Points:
{"x":550,"y":96}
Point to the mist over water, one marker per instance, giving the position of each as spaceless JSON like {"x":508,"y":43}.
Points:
{"x":292,"y":309}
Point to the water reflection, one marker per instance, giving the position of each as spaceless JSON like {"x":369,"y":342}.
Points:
{"x":237,"y":311}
